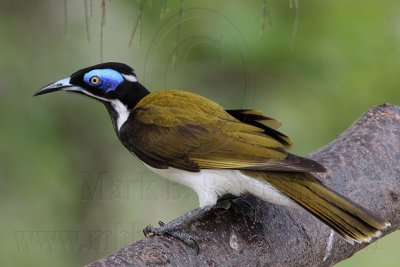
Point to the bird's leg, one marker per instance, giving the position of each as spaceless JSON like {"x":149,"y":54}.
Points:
{"x":225,"y":202}
{"x":171,"y":228}
{"x":167,"y":230}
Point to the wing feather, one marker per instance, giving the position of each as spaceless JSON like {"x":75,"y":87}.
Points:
{"x":256,"y":118}
{"x":183,"y":130}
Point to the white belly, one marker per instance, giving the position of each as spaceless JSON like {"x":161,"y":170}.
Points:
{"x":209,"y":184}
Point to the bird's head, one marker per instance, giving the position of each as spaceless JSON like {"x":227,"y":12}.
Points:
{"x":109,"y":82}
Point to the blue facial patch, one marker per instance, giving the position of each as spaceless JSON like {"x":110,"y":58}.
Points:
{"x":108,"y":79}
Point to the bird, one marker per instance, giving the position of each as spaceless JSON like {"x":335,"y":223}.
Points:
{"x":192,"y":140}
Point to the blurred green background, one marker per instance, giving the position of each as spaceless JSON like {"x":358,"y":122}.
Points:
{"x":70,"y":193}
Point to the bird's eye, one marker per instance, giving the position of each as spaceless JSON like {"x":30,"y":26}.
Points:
{"x":95,"y":80}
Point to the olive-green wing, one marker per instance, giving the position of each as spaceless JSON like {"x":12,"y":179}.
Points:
{"x":186,"y":131}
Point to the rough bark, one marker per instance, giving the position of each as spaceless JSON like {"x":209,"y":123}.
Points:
{"x":363,"y":164}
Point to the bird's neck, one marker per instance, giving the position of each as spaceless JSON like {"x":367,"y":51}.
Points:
{"x":133,"y":94}
{"x":119,"y":109}
{"x":119,"y":113}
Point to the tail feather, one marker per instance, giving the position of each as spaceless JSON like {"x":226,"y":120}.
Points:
{"x":351,"y":221}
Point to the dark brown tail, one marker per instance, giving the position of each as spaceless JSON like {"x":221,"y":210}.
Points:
{"x":351,"y":221}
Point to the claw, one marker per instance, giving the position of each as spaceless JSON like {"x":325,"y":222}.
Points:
{"x":164,"y":230}
{"x":149,"y":230}
{"x":186,"y":238}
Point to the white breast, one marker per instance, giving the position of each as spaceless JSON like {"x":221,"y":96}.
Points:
{"x":209,"y":184}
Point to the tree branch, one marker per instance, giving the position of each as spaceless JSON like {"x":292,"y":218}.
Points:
{"x":363,"y":164}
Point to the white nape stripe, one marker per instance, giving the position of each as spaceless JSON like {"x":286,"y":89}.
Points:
{"x":130,"y":77}
{"x":209,"y":184}
{"x":119,"y":107}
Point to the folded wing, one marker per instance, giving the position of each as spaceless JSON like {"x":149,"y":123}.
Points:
{"x":186,"y":131}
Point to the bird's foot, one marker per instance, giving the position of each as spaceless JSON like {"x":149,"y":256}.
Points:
{"x":167,"y":230}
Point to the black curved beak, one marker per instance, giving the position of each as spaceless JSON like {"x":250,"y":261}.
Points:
{"x":61,"y":85}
